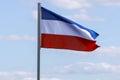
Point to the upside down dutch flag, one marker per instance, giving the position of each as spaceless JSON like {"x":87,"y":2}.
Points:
{"x":61,"y":33}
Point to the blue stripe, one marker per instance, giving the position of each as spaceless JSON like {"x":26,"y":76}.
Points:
{"x":49,"y":15}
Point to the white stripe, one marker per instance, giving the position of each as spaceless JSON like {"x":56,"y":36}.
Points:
{"x":63,"y":28}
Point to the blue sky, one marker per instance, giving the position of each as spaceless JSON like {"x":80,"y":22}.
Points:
{"x":18,"y":46}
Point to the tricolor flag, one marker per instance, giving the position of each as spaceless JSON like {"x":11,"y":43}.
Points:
{"x":61,"y":33}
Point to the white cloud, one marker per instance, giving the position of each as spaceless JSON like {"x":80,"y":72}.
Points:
{"x":29,"y":78}
{"x":22,"y":73}
{"x":72,"y":4}
{"x":17,"y":38}
{"x":19,"y":75}
{"x":44,"y":78}
{"x":103,"y":51}
{"x":79,"y":4}
{"x":6,"y":75}
{"x":90,"y":68}
{"x":35,"y":14}
{"x":84,"y":16}
{"x":97,"y":79}
{"x":108,"y":51}
{"x":108,"y":2}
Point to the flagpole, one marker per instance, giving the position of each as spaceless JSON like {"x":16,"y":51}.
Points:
{"x":38,"y":42}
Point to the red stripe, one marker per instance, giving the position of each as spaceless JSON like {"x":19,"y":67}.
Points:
{"x":67,"y":42}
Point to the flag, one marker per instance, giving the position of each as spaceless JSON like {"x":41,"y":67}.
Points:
{"x":61,"y":33}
